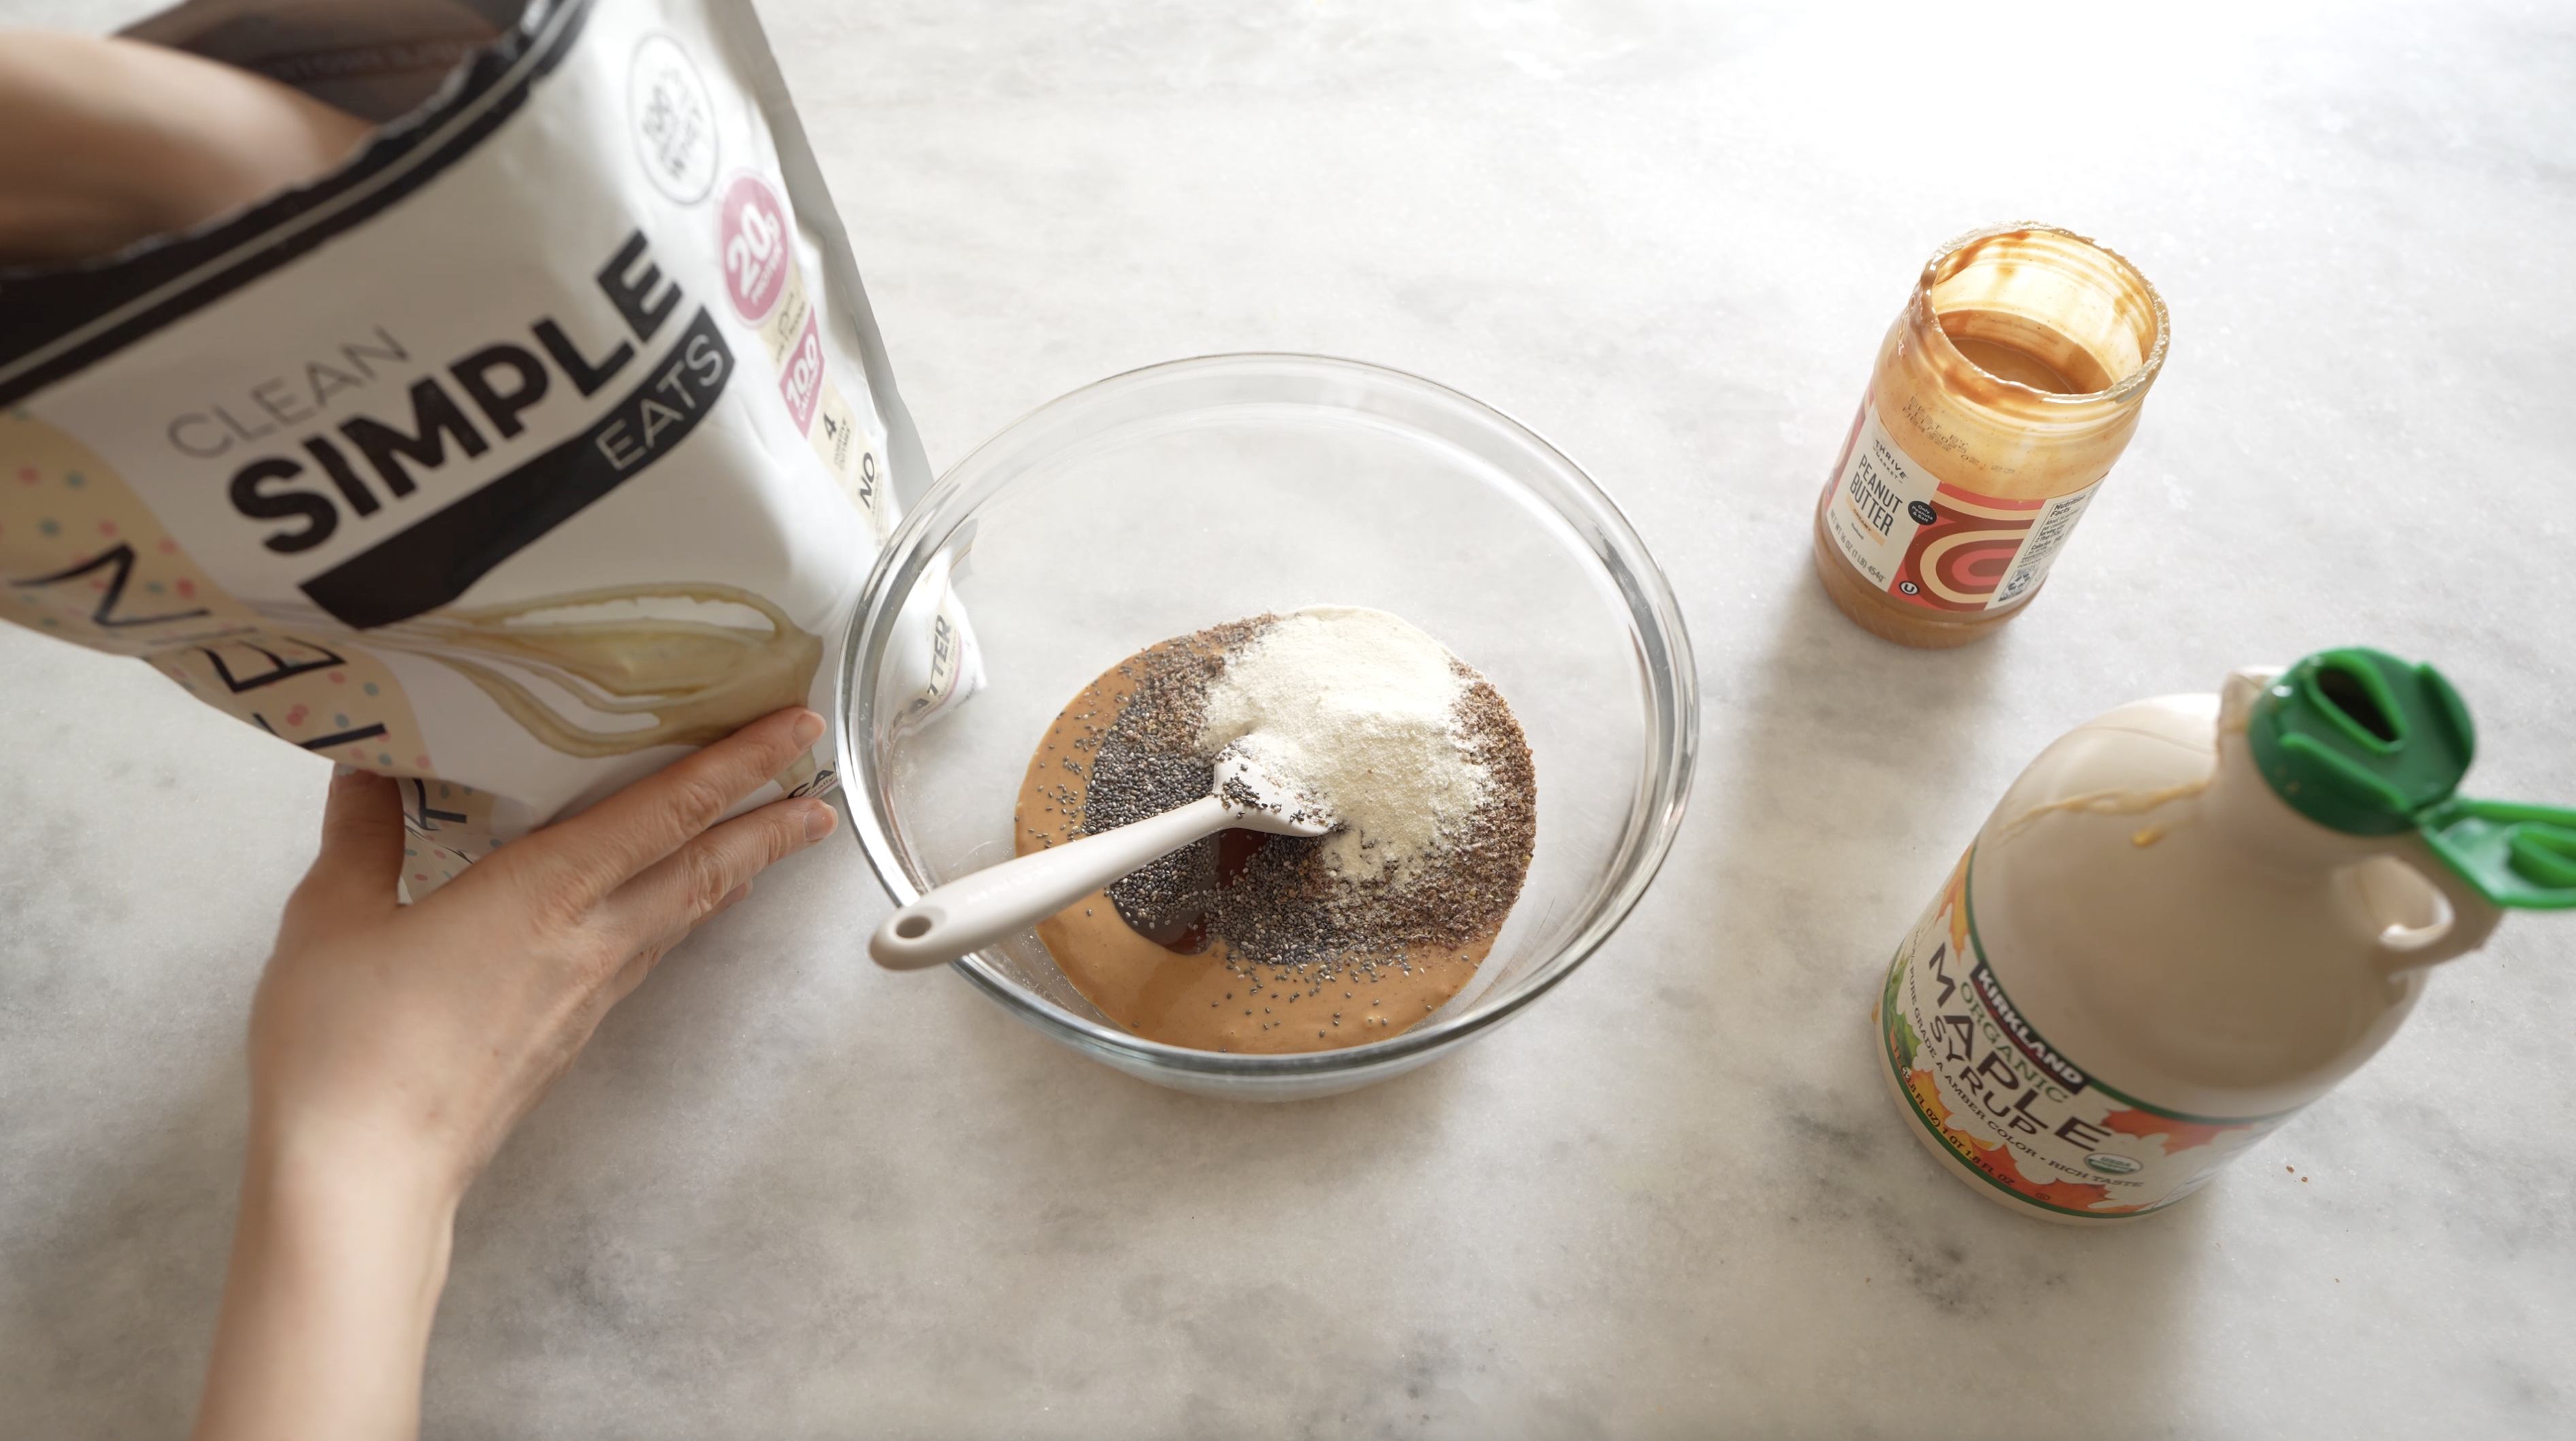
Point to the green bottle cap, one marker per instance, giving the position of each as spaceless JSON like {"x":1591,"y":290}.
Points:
{"x":2516,"y":855}
{"x":2360,"y":741}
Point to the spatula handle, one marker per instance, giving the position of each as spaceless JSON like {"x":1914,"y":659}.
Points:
{"x":974,"y":911}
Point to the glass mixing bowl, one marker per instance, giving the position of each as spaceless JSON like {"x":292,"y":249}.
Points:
{"x":1161,"y":501}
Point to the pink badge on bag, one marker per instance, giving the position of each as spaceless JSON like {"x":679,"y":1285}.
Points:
{"x":752,"y":239}
{"x":801,"y":379}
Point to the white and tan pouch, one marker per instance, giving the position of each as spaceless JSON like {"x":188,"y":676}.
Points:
{"x":548,"y":437}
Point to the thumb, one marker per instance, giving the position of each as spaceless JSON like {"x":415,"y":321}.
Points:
{"x":362,"y":845}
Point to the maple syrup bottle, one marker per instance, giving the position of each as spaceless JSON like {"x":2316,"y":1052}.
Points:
{"x":2002,"y":395}
{"x":2191,"y":917}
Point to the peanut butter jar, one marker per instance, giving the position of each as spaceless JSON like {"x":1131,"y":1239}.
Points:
{"x":2003,"y":394}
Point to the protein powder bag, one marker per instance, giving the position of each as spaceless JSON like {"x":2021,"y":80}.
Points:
{"x":548,"y":437}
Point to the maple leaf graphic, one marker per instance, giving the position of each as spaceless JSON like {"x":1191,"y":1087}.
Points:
{"x":2073,"y":1195}
{"x":1927,"y":1090}
{"x":1996,"y":1159}
{"x":2079,"y":1196}
{"x":1902,"y":1043}
{"x":2178,"y":1136}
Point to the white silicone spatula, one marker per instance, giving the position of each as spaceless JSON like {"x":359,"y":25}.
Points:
{"x":974,"y":911}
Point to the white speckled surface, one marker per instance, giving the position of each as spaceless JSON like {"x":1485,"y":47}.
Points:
{"x":788,"y":1195}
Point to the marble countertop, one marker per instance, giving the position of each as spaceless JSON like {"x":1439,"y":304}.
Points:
{"x":787,"y":1194}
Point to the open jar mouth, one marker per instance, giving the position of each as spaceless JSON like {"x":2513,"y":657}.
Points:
{"x":1519,"y":486}
{"x":2081,"y":325}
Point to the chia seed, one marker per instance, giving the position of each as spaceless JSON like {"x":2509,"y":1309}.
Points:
{"x":1274,"y":900}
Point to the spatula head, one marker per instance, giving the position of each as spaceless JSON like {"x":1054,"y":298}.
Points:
{"x":1261,"y":800}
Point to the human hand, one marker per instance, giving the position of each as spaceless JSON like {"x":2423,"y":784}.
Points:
{"x":104,"y":142}
{"x":424,"y":1032}
{"x":392,"y":1048}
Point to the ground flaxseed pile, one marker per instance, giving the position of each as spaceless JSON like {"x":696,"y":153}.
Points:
{"x":1284,"y":902}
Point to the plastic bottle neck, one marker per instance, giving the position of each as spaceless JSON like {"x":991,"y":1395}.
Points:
{"x":2421,"y":915}
{"x":2244,"y":810}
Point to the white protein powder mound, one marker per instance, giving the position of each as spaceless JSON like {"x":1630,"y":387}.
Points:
{"x":1357,"y":709}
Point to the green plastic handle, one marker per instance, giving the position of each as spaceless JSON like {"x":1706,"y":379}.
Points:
{"x":2516,"y":855}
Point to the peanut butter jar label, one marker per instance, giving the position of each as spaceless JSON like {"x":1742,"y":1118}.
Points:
{"x":1934,"y":544}
{"x":2021,"y":1116}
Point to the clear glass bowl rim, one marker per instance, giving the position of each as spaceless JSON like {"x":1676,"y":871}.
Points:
{"x":1672,"y":745}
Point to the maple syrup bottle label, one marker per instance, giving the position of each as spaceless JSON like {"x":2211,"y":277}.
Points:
{"x":1933,"y":543}
{"x":1994,"y":1096}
